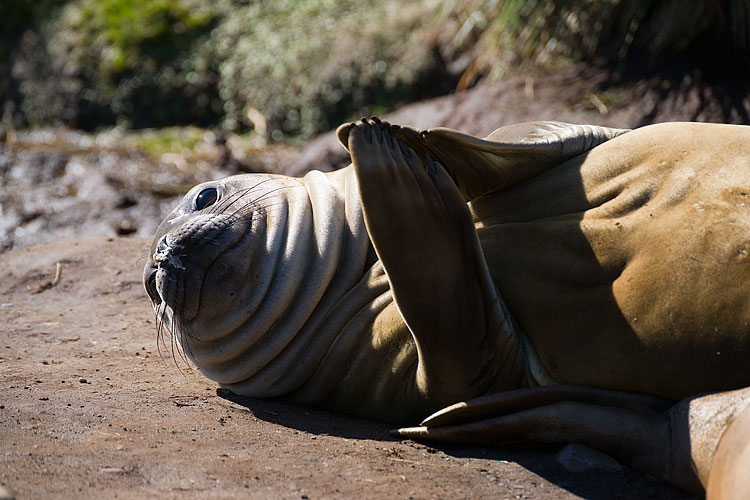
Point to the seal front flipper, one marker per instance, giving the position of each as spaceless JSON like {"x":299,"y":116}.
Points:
{"x":423,"y":233}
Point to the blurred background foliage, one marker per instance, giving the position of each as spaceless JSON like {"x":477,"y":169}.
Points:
{"x":294,"y":68}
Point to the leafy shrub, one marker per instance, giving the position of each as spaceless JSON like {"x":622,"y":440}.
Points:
{"x":127,"y":62}
{"x":297,"y":67}
{"x":308,"y":64}
{"x":134,"y":58}
{"x":304,"y":65}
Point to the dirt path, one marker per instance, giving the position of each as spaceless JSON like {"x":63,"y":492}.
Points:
{"x":88,"y":409}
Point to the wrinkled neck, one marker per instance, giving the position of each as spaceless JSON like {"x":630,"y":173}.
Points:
{"x":315,"y":255}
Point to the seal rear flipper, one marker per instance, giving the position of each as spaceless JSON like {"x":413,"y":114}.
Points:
{"x":511,"y":154}
{"x":637,"y":438}
{"x":675,"y":442}
{"x":508,"y":156}
{"x":505,"y":403}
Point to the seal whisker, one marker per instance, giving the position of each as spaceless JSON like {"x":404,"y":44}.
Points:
{"x":160,"y":330}
{"x":247,"y":206}
{"x":254,"y":202}
{"x":223,"y":204}
{"x":177,"y":327}
{"x":267,"y":207}
{"x":169,"y":325}
{"x":173,"y":342}
{"x":180,"y":344}
{"x":274,"y":191}
{"x":290,"y":201}
{"x":219,"y":207}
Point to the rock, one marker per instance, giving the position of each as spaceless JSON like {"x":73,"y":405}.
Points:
{"x":578,"y":458}
{"x":6,"y":494}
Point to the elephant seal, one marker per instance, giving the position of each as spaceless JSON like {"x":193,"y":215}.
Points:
{"x":548,"y":283}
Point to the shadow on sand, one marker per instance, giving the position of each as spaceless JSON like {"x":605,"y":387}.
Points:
{"x":595,"y":484}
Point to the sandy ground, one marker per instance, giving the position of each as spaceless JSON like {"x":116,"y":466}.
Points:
{"x":89,"y":408}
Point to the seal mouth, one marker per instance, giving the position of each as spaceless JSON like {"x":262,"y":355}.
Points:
{"x":151,"y":289}
{"x":174,"y":277}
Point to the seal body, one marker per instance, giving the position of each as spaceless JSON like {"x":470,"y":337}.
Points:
{"x":440,"y":268}
{"x":628,"y":264}
{"x":619,"y":267}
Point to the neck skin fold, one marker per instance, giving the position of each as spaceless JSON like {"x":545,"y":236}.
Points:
{"x":321,"y":253}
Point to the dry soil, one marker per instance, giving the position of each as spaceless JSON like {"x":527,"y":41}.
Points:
{"x":90,"y":408}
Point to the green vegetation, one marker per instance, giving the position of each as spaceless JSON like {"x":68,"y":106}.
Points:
{"x":126,"y":31}
{"x":303,"y":65}
{"x":292,"y":68}
{"x":134,"y":59}
{"x":307,"y":64}
{"x":156,"y":142}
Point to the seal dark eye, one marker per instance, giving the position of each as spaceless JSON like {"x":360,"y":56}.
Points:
{"x":206,"y":198}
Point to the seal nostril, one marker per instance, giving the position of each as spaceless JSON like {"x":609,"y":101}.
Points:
{"x":163,"y":255}
{"x":162,"y":246}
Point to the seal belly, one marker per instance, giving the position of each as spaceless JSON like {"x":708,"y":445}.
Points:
{"x":627,"y":267}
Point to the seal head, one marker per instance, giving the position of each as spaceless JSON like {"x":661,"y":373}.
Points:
{"x":244,"y":269}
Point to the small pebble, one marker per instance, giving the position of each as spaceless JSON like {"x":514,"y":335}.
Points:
{"x":114,"y":470}
{"x":579,"y":458}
